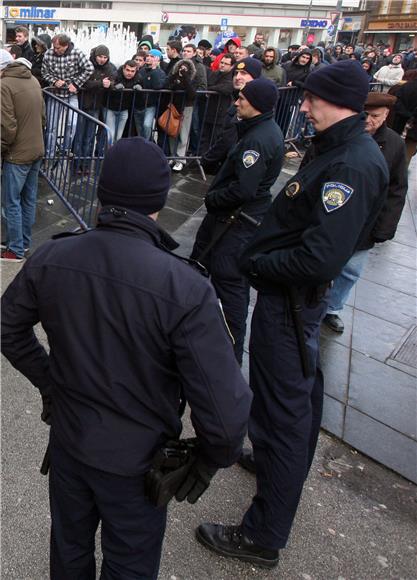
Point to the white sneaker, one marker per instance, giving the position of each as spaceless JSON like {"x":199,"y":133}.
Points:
{"x":178,"y":166}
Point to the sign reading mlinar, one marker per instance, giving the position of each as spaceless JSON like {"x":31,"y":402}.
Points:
{"x":29,"y":12}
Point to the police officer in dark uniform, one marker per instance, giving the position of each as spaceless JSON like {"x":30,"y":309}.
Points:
{"x":243,"y":183}
{"x":313,"y":227}
{"x":130,"y":326}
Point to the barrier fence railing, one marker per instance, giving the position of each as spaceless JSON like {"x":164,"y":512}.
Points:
{"x":75,"y":145}
{"x":80,"y":128}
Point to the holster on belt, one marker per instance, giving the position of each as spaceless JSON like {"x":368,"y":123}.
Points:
{"x":170,"y":467}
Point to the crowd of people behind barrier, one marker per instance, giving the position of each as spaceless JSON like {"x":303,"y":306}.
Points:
{"x":198,"y":82}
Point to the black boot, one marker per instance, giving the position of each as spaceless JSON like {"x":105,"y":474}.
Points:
{"x":247,"y":461}
{"x":229,"y":541}
{"x":333,"y":322}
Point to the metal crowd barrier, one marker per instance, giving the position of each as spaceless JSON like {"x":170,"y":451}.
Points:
{"x":80,"y":129}
{"x":75,"y":145}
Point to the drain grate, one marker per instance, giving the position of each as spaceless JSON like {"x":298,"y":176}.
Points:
{"x":407,"y":352}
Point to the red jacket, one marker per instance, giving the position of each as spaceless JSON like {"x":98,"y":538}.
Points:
{"x":216,"y":62}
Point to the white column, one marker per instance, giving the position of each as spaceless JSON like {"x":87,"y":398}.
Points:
{"x":250,"y":37}
{"x":274,"y":38}
{"x":205,"y":33}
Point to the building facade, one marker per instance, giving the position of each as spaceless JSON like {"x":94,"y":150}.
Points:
{"x":282,"y":23}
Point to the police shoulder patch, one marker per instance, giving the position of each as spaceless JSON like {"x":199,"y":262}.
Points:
{"x":335,"y":194}
{"x":250,"y":157}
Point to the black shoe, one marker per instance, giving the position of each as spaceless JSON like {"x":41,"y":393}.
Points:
{"x":334,"y":322}
{"x":247,"y":461}
{"x":230,"y":542}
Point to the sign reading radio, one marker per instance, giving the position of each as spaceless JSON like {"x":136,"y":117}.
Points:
{"x":314,"y":23}
{"x":29,"y":12}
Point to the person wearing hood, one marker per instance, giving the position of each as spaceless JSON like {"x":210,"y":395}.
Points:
{"x":145,"y":44}
{"x":66,"y":69}
{"x":229,"y":48}
{"x":317,"y":61}
{"x":22,"y":149}
{"x":292,"y":51}
{"x":390,"y":74}
{"x":22,"y":40}
{"x":92,"y":101}
{"x":298,"y":68}
{"x":270,"y":69}
{"x":367,"y":66}
{"x":40,"y":45}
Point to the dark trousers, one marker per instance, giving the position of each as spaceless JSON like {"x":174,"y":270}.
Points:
{"x":132,"y":530}
{"x":285,"y":415}
{"x":231,"y":286}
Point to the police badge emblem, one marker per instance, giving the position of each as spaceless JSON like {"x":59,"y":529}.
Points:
{"x":334,"y":195}
{"x":292,"y":188}
{"x":250,"y":157}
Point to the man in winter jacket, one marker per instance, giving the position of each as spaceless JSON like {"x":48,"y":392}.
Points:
{"x":66,"y":69}
{"x":406,"y":115}
{"x":243,"y":183}
{"x":298,"y":68}
{"x":151,"y":76}
{"x":391,"y":74}
{"x":22,"y":40}
{"x":22,"y":148}
{"x":92,"y":98}
{"x":200,"y":82}
{"x":271,"y":69}
{"x":131,"y":327}
{"x":245,"y":71}
{"x":256,"y":49}
{"x":120,"y":101}
{"x":216,"y":106}
{"x":377,"y":107}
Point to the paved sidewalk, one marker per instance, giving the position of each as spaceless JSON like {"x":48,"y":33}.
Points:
{"x":357,"y":519}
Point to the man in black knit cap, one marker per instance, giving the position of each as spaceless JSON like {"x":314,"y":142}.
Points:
{"x":311,"y":230}
{"x":130,"y":327}
{"x":243,"y":183}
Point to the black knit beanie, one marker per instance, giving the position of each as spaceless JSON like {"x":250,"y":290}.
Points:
{"x":135,"y":175}
{"x":262,"y":94}
{"x":251,"y":65}
{"x":344,"y":83}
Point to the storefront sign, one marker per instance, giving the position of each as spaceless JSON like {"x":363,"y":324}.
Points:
{"x":314,"y":23}
{"x":393,"y":25}
{"x":29,"y":13}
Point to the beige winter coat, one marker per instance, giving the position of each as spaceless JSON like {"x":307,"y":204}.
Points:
{"x":22,"y":115}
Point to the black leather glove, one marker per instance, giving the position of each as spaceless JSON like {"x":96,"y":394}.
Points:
{"x":46,"y":414}
{"x":196,"y":482}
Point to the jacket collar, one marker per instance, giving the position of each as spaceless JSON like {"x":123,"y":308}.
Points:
{"x":245,"y":124}
{"x":339,"y":133}
{"x":380,"y":135}
{"x":132,"y":223}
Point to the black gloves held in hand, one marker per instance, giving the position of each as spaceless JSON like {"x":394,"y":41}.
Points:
{"x":46,"y":414}
{"x":196,"y":482}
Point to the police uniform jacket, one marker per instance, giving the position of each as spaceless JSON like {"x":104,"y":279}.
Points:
{"x":129,"y":326}
{"x":251,"y":168}
{"x":323,"y":213}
